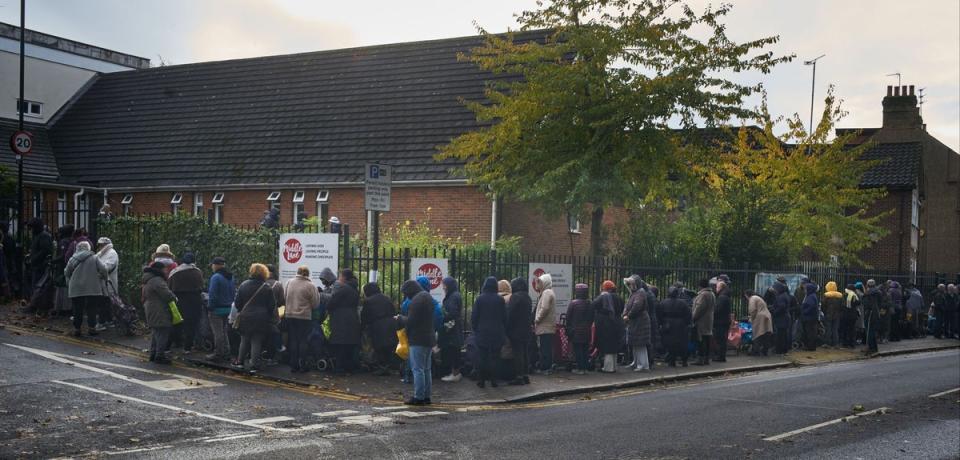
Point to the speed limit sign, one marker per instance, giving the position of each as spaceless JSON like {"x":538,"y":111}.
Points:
{"x":21,"y":142}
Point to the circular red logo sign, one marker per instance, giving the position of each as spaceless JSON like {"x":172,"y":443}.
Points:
{"x":433,"y":273}
{"x":292,"y":251}
{"x":536,"y":275}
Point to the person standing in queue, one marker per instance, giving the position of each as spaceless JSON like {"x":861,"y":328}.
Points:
{"x":418,"y":324}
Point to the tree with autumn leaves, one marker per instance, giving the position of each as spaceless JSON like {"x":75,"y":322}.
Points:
{"x":597,"y":110}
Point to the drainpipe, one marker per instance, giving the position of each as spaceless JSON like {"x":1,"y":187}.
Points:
{"x":76,"y":204}
{"x":493,"y":222}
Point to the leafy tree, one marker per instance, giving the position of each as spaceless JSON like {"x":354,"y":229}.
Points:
{"x":776,"y":196}
{"x":587,"y":124}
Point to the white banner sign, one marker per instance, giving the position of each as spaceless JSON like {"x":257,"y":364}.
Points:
{"x":434,"y":269}
{"x":315,"y":250}
{"x":562,"y":277}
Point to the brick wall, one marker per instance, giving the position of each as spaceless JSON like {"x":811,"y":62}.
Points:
{"x":884,"y":254}
{"x":549,"y":236}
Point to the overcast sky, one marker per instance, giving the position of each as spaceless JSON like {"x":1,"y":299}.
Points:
{"x":863,"y":39}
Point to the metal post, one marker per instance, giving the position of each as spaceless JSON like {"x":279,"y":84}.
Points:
{"x":23,"y":259}
{"x":813,"y":87}
{"x":376,"y":247}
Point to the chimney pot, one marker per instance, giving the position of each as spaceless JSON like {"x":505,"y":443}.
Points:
{"x":911,"y":89}
{"x":889,"y":90}
{"x":896,"y":91}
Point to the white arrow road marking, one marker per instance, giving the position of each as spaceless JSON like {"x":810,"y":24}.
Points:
{"x":178,"y":382}
{"x":882,"y":410}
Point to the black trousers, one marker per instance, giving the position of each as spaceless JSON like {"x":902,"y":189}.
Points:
{"x":720,"y":335}
{"x":297,"y":332}
{"x":704,"y":348}
{"x":85,"y":305}
{"x":521,"y":364}
{"x":782,"y":340}
{"x":104,"y":310}
{"x":346,"y":357}
{"x":450,"y":355}
{"x":488,"y":363}
{"x":810,"y":334}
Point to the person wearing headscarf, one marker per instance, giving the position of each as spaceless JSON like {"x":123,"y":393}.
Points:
{"x":489,"y":320}
{"x":780,"y":311}
{"x":810,"y":316}
{"x":186,"y":282}
{"x":519,"y":318}
{"x":721,"y":320}
{"x":849,"y":316}
{"x":545,"y":321}
{"x":579,"y":321}
{"x":111,"y":283}
{"x":675,"y":321}
{"x":85,"y":273}
{"x":638,"y":324}
{"x":156,"y":308}
{"x":703,"y":307}
{"x":378,"y":320}
{"x":451,"y":334}
{"x":761,"y":323}
{"x":343,"y":311}
{"x":608,"y":322}
{"x":872,"y":301}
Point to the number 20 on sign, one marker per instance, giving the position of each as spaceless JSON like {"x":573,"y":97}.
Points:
{"x":21,"y":142}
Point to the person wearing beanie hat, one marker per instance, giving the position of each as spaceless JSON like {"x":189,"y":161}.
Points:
{"x":186,"y":282}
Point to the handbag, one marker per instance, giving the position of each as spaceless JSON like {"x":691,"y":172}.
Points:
{"x":233,"y":308}
{"x":403,"y":345}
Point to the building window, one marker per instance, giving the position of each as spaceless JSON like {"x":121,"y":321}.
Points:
{"x":30,"y":108}
{"x":127,"y":204}
{"x":198,"y":203}
{"x":38,"y":204}
{"x":298,"y":207}
{"x":323,"y":208}
{"x":573,"y":223}
{"x":82,"y":218}
{"x":61,"y":209}
{"x":176,"y":203}
{"x":217,"y":207}
{"x":273,"y":200}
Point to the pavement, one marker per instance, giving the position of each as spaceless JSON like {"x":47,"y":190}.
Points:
{"x":562,"y":383}
{"x":61,"y":397}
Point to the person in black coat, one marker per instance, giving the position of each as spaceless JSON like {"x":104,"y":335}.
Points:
{"x":489,"y":321}
{"x":344,"y":321}
{"x":675,"y":321}
{"x":377,"y":318}
{"x":721,"y":321}
{"x":519,"y":333}
{"x":579,"y":322}
{"x":608,"y":321}
{"x":421,"y":336}
{"x":781,"y":317}
{"x":451,"y":334}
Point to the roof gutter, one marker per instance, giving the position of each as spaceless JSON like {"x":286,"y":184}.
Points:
{"x":287,"y":185}
{"x":60,"y":185}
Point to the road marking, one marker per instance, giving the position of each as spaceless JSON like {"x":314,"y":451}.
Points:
{"x":944,"y":393}
{"x":166,"y":406}
{"x":336,"y":413}
{"x":411,"y":414}
{"x":391,"y":408}
{"x":178,"y":382}
{"x":133,"y":451}
{"x":364,"y":420}
{"x":339,"y":435}
{"x":882,"y":410}
{"x":231,"y":437}
{"x":264,"y":421}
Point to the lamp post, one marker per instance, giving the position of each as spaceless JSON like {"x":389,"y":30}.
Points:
{"x":813,"y":86}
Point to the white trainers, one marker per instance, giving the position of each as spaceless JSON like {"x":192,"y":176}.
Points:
{"x":100,"y":327}
{"x":452,"y":378}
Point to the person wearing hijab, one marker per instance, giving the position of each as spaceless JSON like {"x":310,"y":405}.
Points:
{"x":721,"y":320}
{"x":489,"y":320}
{"x":579,"y":321}
{"x":545,"y":321}
{"x":675,"y":321}
{"x":451,"y":334}
{"x":810,"y":315}
{"x":377,"y":319}
{"x":703,"y":307}
{"x":608,"y":309}
{"x":519,"y":318}
{"x":638,"y":324}
{"x":761,"y":321}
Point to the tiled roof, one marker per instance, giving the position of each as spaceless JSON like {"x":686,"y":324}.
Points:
{"x":302,"y":118}
{"x":40,"y":164}
{"x":900,"y":168}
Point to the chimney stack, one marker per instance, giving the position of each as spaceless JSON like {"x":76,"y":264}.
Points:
{"x":900,"y":109}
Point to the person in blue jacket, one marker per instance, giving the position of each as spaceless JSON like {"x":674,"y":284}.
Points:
{"x":221,"y":293}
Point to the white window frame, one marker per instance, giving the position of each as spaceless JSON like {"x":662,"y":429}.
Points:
{"x":61,"y":208}
{"x":198,"y":203}
{"x":127,"y":199}
{"x":217,"y":198}
{"x":323,"y":196}
{"x":27,"y":112}
{"x":218,"y":213}
{"x":323,"y":208}
{"x":126,"y":204}
{"x":36,"y":201}
{"x":82,"y":212}
{"x":273,"y":200}
{"x":573,"y":224}
{"x":298,"y":199}
{"x":176,"y":202}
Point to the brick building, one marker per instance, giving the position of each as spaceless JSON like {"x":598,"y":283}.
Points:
{"x":231,"y":139}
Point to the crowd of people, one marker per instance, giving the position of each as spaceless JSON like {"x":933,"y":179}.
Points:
{"x":335,"y":323}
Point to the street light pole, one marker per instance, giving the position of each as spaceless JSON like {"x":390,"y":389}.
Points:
{"x":20,"y":108}
{"x":813,"y":86}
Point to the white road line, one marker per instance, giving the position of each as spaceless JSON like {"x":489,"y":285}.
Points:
{"x":411,"y":414}
{"x":364,"y":420}
{"x":133,"y":451}
{"x":391,"y":408}
{"x":848,"y":418}
{"x":166,"y":406}
{"x":943,"y":393}
{"x":342,"y":434}
{"x":336,"y":413}
{"x":264,"y":421}
{"x":179,"y":382}
{"x":231,"y":437}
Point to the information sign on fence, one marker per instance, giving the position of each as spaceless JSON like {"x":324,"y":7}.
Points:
{"x":562,"y":277}
{"x":434,"y":270}
{"x":762,"y":281}
{"x":315,"y":250}
{"x":377,"y":187}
